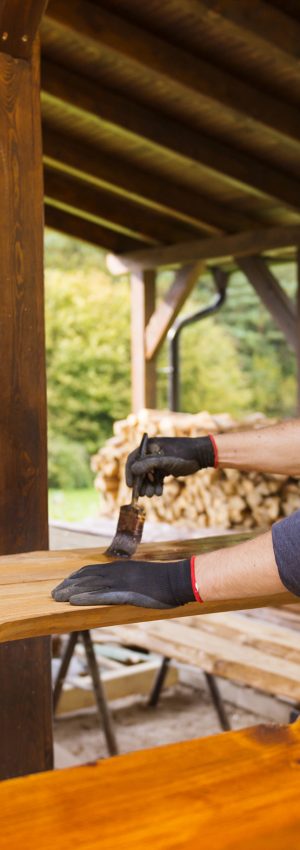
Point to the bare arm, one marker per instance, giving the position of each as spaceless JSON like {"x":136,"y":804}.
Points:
{"x":248,"y":569}
{"x":273,"y":449}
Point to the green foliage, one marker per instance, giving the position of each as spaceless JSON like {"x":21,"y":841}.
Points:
{"x":237,"y":361}
{"x":265,"y":357}
{"x":73,"y":505}
{"x":210,"y":374}
{"x":88,"y":354}
{"x":68,"y":464}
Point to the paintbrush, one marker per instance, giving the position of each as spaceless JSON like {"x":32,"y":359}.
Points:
{"x":131,"y":519}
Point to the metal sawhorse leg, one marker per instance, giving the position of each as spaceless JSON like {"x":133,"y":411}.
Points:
{"x":212,"y":686}
{"x":100,"y":697}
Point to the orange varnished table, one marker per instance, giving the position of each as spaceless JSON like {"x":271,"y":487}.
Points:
{"x":236,"y":791}
{"x":26,"y":581}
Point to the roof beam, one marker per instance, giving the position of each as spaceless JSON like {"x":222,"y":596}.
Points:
{"x":87,"y":231}
{"x":93,"y":25}
{"x":166,"y":312}
{"x":19,"y":23}
{"x":259,"y":20}
{"x":117,"y":112}
{"x":272,"y":295}
{"x":106,"y":209}
{"x":218,"y":248}
{"x":74,"y":157}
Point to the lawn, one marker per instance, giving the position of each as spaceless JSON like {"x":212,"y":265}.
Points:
{"x":73,"y":505}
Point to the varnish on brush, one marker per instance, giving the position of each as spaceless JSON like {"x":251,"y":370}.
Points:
{"x":131,"y":519}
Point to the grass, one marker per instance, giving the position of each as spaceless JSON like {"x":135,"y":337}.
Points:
{"x":73,"y":505}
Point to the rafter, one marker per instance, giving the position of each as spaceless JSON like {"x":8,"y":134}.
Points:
{"x":93,"y":25}
{"x":87,"y":231}
{"x":115,"y":111}
{"x":259,"y":20}
{"x":79,"y":159}
{"x":103,"y":208}
{"x":216,"y":248}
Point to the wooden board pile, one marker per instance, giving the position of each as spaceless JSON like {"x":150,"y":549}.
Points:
{"x":211,"y":498}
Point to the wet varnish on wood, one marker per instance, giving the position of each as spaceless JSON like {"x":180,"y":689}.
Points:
{"x":240,"y":789}
{"x":27,"y":608}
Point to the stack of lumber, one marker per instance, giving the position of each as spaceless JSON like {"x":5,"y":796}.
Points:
{"x":249,"y":650}
{"x":211,"y":498}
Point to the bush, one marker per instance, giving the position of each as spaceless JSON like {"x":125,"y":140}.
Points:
{"x":68,"y":464}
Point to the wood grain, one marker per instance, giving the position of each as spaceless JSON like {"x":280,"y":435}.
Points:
{"x":143,"y":373}
{"x":25,"y":722}
{"x":191,"y":74}
{"x":239,"y":789}
{"x":167,"y":311}
{"x":26,"y":581}
{"x":229,"y":645}
{"x":20,"y":20}
{"x":162,"y":133}
{"x":217,"y":248}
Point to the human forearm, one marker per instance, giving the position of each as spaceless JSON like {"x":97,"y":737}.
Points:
{"x":274,"y":449}
{"x":248,"y":569}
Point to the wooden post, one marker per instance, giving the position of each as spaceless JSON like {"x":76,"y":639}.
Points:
{"x":298,"y":331}
{"x":143,"y":372}
{"x":25,"y":684}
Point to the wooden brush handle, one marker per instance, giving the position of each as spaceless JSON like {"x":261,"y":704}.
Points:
{"x":139,"y":478}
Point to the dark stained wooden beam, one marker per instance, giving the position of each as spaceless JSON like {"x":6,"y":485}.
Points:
{"x":25,"y":676}
{"x":216,"y":248}
{"x":75,"y":158}
{"x":164,"y":133}
{"x":143,"y":373}
{"x":110,"y":210}
{"x":165,"y":314}
{"x":19,"y":23}
{"x":93,"y":25}
{"x":87,"y":231}
{"x":298,"y":331}
{"x":259,"y":20}
{"x":272,"y":295}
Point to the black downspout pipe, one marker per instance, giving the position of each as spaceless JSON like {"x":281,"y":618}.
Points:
{"x":221,"y":279}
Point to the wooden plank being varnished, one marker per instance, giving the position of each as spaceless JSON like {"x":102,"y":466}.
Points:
{"x":227,"y":792}
{"x":27,"y":608}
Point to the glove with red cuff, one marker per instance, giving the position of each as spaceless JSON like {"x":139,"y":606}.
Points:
{"x":149,"y":584}
{"x":169,"y":456}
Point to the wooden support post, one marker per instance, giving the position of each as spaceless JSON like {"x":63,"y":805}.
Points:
{"x":25,"y":683}
{"x":143,"y":371}
{"x":298,"y":331}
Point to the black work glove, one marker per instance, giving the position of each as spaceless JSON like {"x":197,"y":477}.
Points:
{"x":148,"y":584}
{"x":169,"y":456}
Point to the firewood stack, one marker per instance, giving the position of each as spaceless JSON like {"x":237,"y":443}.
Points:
{"x":212,"y":497}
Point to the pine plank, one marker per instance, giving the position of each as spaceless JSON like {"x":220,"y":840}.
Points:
{"x":239,"y":789}
{"x":27,"y":608}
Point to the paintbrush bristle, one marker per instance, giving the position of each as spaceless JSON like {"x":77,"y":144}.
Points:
{"x":129,"y":532}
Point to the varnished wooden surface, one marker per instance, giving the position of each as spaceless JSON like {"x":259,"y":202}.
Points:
{"x":26,"y":581}
{"x":231,"y":791}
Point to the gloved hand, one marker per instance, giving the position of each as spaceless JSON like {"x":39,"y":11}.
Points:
{"x":148,"y":584}
{"x":169,"y":456}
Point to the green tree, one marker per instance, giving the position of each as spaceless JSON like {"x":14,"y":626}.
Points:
{"x":88,"y":355}
{"x":210,"y":374}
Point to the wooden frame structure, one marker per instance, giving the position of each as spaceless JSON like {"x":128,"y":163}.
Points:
{"x":170,"y":137}
{"x":181,"y":147}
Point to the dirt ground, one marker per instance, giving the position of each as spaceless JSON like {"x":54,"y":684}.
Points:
{"x":183,"y":713}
